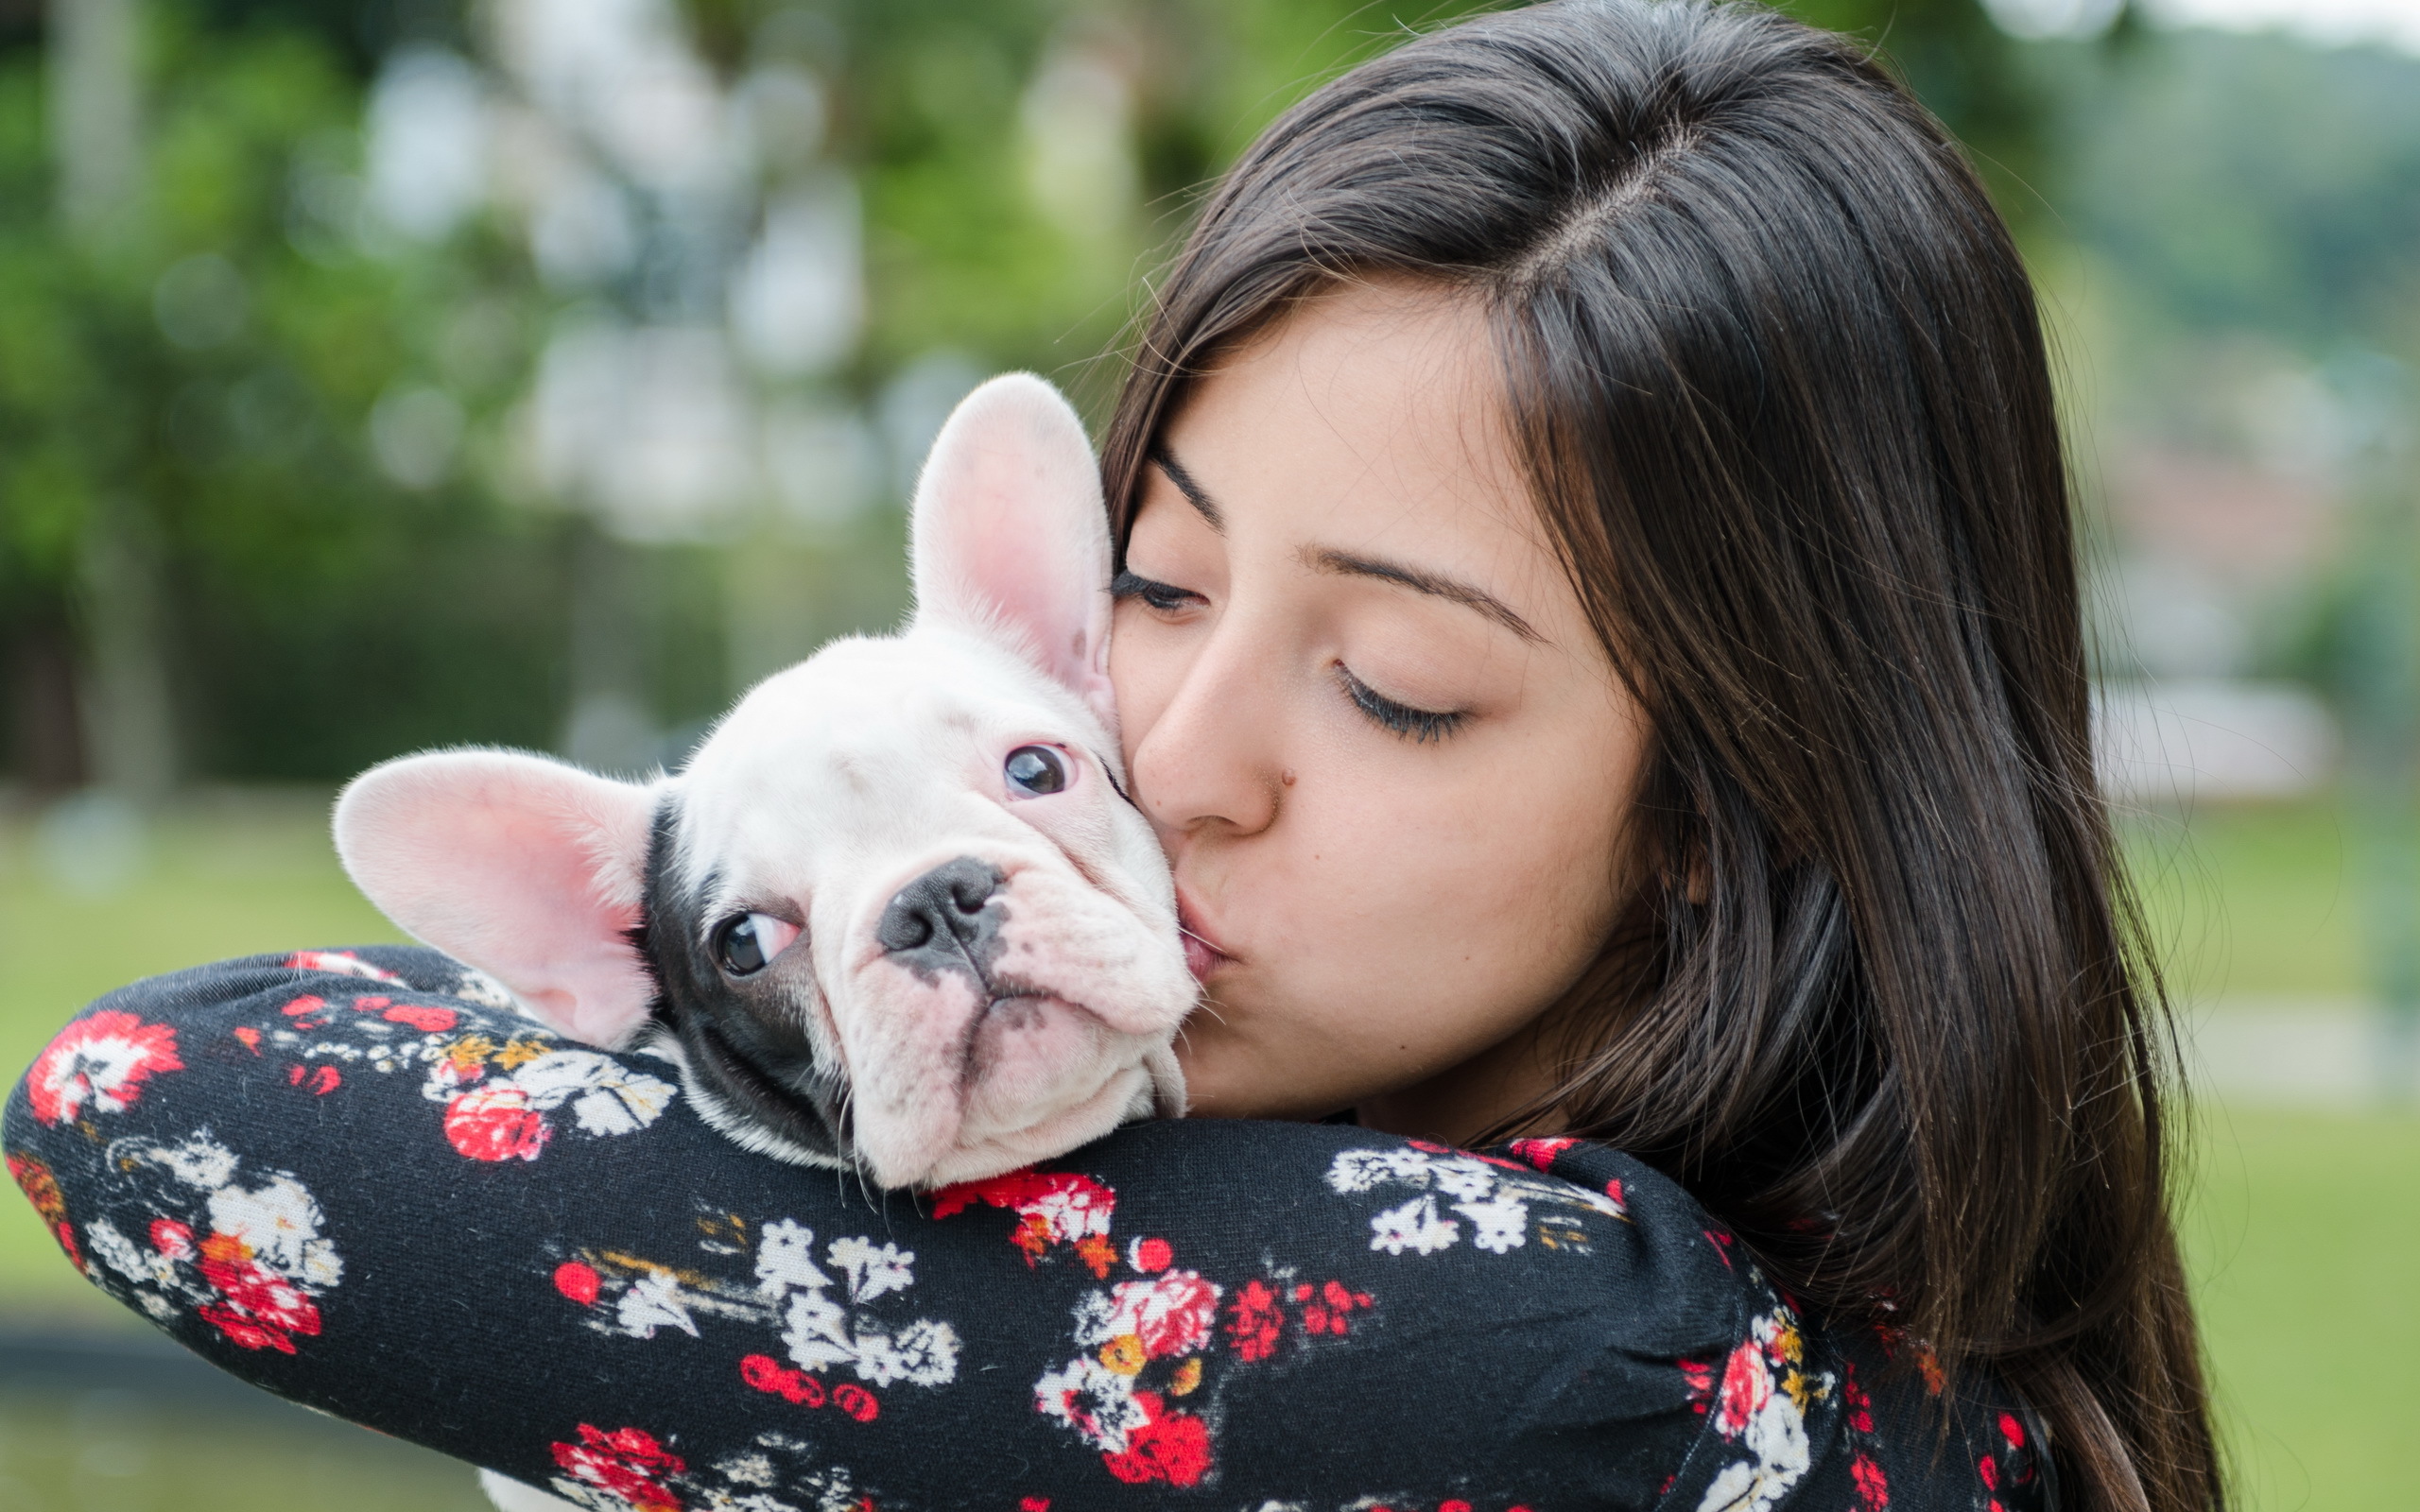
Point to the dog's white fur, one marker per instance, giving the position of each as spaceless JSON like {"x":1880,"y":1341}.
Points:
{"x":826,"y":790}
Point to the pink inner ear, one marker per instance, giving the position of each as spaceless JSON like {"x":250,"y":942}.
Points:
{"x":1010,"y":534}
{"x":523,"y":867}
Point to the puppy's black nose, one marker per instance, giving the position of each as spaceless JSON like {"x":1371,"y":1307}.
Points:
{"x":947,"y":919}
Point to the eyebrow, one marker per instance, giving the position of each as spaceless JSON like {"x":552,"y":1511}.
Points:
{"x":1193,"y":491}
{"x":1329,"y":560}
{"x":1451,"y":590}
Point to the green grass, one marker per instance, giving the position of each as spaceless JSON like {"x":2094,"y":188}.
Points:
{"x":109,"y":1451}
{"x":2253,"y":901}
{"x":2301,"y":1238}
{"x":2301,"y":1229}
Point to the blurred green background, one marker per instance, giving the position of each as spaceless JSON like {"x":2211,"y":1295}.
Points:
{"x":384,"y":374}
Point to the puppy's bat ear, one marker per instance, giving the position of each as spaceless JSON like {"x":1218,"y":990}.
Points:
{"x":523,"y":866}
{"x":1011,"y":538}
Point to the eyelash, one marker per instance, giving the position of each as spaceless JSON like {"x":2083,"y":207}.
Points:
{"x":1166,"y":597}
{"x":1419,"y":725}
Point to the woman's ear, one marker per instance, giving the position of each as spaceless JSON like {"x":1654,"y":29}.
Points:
{"x":529,"y":869}
{"x":1010,"y":541}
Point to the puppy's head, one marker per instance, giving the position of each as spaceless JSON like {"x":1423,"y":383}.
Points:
{"x":896,"y":912}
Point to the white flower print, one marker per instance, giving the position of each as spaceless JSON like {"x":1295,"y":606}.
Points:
{"x":1095,"y":1400}
{"x":654,"y":1301}
{"x":718,"y":1500}
{"x":485,"y":991}
{"x":1415,"y":1226}
{"x":142,"y":1267}
{"x":1363,"y":1170}
{"x":280,"y":1224}
{"x":924,"y":1353}
{"x":249,"y":1261}
{"x":1498,"y":1225}
{"x":1759,"y":1406}
{"x":747,"y":1470}
{"x":817,"y":1333}
{"x":606,"y":1097}
{"x":785,"y":1258}
{"x":872,"y":1271}
{"x":197,"y":1161}
{"x":1494,"y":1198}
{"x":1463,"y":1177}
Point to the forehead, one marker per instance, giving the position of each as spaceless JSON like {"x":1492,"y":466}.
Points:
{"x":1372,"y":417}
{"x":866,"y":739}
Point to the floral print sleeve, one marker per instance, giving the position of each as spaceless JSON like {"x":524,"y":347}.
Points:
{"x":358,"y":1179}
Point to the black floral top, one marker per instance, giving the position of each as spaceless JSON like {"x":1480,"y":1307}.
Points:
{"x":358,"y":1179}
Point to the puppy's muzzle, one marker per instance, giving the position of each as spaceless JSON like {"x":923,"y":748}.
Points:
{"x":948,"y":920}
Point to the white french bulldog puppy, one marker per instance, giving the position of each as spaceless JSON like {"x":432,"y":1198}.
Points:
{"x":896,"y":913}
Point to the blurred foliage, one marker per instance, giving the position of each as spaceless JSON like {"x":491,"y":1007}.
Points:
{"x":204,"y":372}
{"x":204,"y":377}
{"x":2245,"y":183}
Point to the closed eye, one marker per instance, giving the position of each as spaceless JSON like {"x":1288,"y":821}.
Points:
{"x":1164,"y":598}
{"x":1419,"y":725}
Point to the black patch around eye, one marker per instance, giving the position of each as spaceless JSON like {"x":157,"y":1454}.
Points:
{"x":737,"y":948}
{"x":1036,"y":770}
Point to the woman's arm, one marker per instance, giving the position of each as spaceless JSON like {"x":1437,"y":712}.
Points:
{"x":359,"y":1181}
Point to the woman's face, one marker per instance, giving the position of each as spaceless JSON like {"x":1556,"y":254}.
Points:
{"x":1388,"y":756}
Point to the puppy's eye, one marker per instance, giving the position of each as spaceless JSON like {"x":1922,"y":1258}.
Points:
{"x":1035,"y":771}
{"x":743,"y":945}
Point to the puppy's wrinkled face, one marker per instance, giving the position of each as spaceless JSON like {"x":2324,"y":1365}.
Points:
{"x":896,"y":913}
{"x":903,"y":918}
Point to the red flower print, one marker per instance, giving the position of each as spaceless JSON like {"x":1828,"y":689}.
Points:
{"x":1174,"y":1449}
{"x":1327,"y":1316}
{"x":261,"y":1309}
{"x":1873,"y":1490}
{"x":628,"y":1463}
{"x":1745,"y":1389}
{"x":767,"y":1374}
{"x":429,"y":1020}
{"x":1989,"y":1471}
{"x":40,"y":1188}
{"x":248,"y":1037}
{"x":1700,"y":1376}
{"x":1052,"y":1208}
{"x":101,"y":1061}
{"x":1033,"y":1504}
{"x":342,"y":963}
{"x":1151,"y":1256}
{"x":495,"y":1123}
{"x":1861,"y":1404}
{"x":1541,"y":1153}
{"x":2013,"y":1430}
{"x":580,"y":1283}
{"x":321,"y":1082}
{"x":308,"y":1011}
{"x":856,"y":1402}
{"x":172,"y":1239}
{"x":1254,"y":1321}
{"x":1170,"y":1314}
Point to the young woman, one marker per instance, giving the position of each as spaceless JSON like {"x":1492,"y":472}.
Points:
{"x":1597,"y":635}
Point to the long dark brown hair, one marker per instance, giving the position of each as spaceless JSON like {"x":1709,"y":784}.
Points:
{"x":1778,"y":375}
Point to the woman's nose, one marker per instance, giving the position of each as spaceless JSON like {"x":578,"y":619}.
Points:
{"x":1213,"y":758}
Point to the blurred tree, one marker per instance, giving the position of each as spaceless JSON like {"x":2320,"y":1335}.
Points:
{"x":308,"y":426}
{"x":195,"y":381}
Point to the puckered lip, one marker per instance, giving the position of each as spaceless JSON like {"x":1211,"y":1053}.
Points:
{"x":1203,"y":955}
